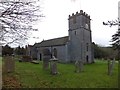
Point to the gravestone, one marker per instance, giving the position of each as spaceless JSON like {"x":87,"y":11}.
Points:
{"x":53,"y":66}
{"x":78,"y":66}
{"x":46,"y":62}
{"x":111,"y":63}
{"x":9,"y":64}
{"x":46,"y":58}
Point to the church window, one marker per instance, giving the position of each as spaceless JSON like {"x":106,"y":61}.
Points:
{"x":75,"y":32}
{"x":87,"y":58}
{"x":40,"y":56}
{"x":55,"y":52}
{"x":30,"y":52}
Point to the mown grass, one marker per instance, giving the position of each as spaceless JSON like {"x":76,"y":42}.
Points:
{"x":0,"y":64}
{"x":94,"y":76}
{"x":0,"y":60}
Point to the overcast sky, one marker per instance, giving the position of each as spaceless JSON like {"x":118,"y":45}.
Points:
{"x":56,"y":12}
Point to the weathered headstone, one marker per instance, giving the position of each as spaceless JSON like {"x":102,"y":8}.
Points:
{"x":110,"y":66}
{"x":46,"y":58}
{"x":78,"y":66}
{"x":53,"y":66}
{"x":9,"y":64}
{"x":46,"y":62}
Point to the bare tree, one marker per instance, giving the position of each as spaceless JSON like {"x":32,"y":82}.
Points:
{"x":17,"y":18}
{"x":112,"y":23}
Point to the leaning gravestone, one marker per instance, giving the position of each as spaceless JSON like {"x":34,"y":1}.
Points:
{"x":9,"y":64}
{"x":110,"y":66}
{"x":46,"y":58}
{"x":78,"y":66}
{"x":53,"y":66}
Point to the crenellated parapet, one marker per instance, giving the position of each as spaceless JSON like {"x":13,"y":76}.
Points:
{"x":79,"y":13}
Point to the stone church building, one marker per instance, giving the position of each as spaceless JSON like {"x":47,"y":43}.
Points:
{"x":76,"y":46}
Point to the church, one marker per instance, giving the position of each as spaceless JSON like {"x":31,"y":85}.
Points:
{"x":76,"y":46}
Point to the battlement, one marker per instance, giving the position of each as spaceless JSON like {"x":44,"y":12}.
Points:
{"x":80,"y":13}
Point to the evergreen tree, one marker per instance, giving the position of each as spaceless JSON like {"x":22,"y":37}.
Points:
{"x":7,"y":50}
{"x":20,"y":51}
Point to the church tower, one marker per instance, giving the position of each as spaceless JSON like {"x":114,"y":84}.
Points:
{"x":80,"y":40}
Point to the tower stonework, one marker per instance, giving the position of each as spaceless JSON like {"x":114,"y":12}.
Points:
{"x":80,"y":40}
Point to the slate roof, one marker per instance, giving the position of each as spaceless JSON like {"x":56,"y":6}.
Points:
{"x":52,"y":42}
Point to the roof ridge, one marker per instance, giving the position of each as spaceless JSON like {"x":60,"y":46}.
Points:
{"x":56,"y":38}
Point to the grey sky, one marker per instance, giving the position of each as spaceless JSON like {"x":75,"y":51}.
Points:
{"x":55,"y":23}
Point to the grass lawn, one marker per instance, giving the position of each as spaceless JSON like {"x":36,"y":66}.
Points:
{"x":0,"y":61}
{"x":0,"y":64}
{"x":31,"y":75}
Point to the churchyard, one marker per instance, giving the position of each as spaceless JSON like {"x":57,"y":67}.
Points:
{"x":30,"y":75}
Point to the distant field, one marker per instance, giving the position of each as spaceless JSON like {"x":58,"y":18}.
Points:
{"x":94,"y":76}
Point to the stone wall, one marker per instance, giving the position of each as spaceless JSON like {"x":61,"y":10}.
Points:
{"x":62,"y":52}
